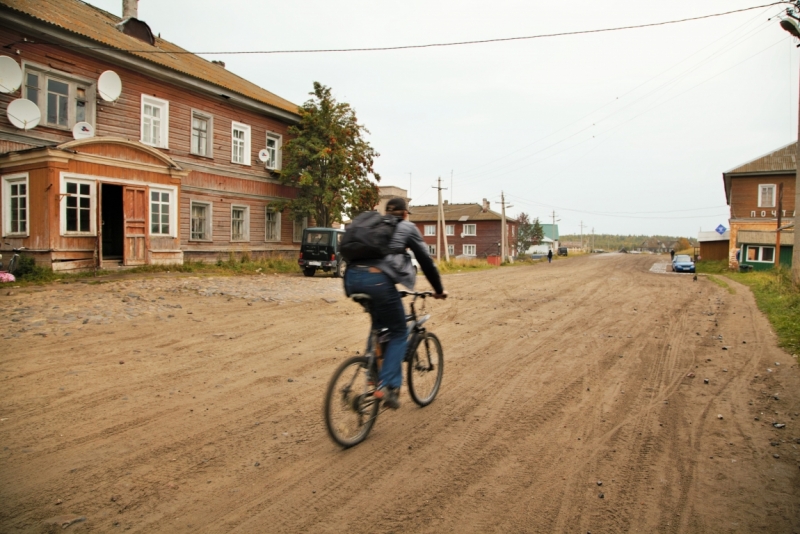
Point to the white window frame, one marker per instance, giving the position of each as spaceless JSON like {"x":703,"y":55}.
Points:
{"x":76,"y":83}
{"x":246,"y":149}
{"x":173,"y":212}
{"x":297,"y":229}
{"x":451,"y":249}
{"x":209,"y":144}
{"x":468,"y":227}
{"x":431,"y":249}
{"x":245,"y":223}
{"x":163,"y":127}
{"x":275,"y":161}
{"x":450,"y":229}
{"x":430,"y":229}
{"x":472,"y":248}
{"x":761,"y":203}
{"x":277,"y":238}
{"x":760,"y":254}
{"x":8,"y":181}
{"x":66,"y":178}
{"x":208,"y":230}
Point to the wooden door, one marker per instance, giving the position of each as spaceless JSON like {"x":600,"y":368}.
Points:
{"x":134,"y":202}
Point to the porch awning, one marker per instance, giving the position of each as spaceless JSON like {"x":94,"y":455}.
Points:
{"x":761,"y":237}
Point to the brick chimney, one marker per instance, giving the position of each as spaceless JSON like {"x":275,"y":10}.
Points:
{"x":130,"y":9}
{"x":485,"y":205}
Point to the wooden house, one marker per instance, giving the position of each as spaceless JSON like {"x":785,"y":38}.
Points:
{"x":753,"y":192}
{"x":170,"y":157}
{"x":472,"y":230}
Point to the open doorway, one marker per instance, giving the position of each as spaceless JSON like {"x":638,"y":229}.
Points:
{"x":113,"y":228}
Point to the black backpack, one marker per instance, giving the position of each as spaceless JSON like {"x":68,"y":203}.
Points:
{"x":368,"y":237}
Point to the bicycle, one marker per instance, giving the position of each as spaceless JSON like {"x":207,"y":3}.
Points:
{"x":350,"y":406}
{"x":13,"y":262}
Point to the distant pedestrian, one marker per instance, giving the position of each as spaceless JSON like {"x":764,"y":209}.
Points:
{"x":550,"y":255}
{"x":672,"y":255}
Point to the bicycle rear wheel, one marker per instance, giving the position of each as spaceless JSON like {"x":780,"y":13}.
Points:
{"x":425,"y":369}
{"x":350,"y":408}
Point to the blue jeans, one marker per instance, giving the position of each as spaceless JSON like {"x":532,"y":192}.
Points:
{"x":387,"y":312}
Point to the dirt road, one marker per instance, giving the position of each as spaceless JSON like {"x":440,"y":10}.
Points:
{"x":573,"y":401}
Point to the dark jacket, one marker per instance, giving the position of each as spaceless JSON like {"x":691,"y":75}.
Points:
{"x":398,"y":267}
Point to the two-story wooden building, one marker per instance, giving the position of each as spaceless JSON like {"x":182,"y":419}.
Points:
{"x":753,"y":192}
{"x":472,"y":230}
{"x":143,"y":153}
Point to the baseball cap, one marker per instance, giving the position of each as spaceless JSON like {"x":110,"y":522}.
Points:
{"x":397,"y":204}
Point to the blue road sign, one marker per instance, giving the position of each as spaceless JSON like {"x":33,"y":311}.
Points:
{"x":721,"y":229}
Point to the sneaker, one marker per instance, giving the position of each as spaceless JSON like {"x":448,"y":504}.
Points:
{"x":389,"y":397}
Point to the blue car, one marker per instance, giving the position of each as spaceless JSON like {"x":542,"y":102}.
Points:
{"x":682,"y":264}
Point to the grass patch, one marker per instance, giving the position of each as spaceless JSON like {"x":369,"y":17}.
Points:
{"x":460,"y":265}
{"x":28,"y":273}
{"x":712,"y":267}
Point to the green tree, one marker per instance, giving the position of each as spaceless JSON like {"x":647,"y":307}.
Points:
{"x":537,"y":232}
{"x":329,"y":161}
{"x":524,"y":232}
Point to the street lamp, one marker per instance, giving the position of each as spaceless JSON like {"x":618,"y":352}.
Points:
{"x":791,"y":23}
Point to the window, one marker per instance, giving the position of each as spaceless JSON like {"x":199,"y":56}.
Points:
{"x":15,"y":205}
{"x":469,"y":250}
{"x":297,"y":230}
{"x":155,"y":122}
{"x":273,"y":225}
{"x":274,"y":144}
{"x":432,"y":250}
{"x":240,"y":223}
{"x":160,"y":213}
{"x":430,"y":229}
{"x":202,"y":134}
{"x":469,"y":229}
{"x":760,"y":254}
{"x":78,"y":206}
{"x":240,"y":143}
{"x":451,"y":250}
{"x":63,"y":99}
{"x":201,"y":221}
{"x":766,"y":196}
{"x":450,"y":229}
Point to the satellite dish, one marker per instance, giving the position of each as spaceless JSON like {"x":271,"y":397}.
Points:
{"x":109,"y":86}
{"x":10,"y":75}
{"x":23,"y":114}
{"x":82,"y":130}
{"x":263,"y":155}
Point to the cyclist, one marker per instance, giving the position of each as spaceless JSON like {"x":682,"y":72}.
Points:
{"x":377,"y":278}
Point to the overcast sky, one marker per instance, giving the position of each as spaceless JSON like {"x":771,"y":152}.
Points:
{"x":625,"y":132}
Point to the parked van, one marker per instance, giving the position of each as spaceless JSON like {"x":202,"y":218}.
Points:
{"x":562,"y":251}
{"x":320,"y":250}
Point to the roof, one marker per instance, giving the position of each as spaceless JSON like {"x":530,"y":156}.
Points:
{"x":99,"y":26}
{"x":455,"y":212}
{"x":781,"y":160}
{"x":704,"y":237}
{"x":762,"y":237}
{"x":551,"y":231}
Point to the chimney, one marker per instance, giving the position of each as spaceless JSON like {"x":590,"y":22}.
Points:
{"x":485,"y":205}
{"x":445,"y":203}
{"x":130,"y":9}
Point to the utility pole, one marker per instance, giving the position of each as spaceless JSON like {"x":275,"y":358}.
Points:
{"x":592,"y":237}
{"x":440,"y":227}
{"x":555,"y":241}
{"x":409,"y":185}
{"x":503,"y":229}
{"x":582,"y":227}
{"x":790,"y":24}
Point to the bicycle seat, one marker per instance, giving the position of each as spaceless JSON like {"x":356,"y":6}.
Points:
{"x":363,"y":299}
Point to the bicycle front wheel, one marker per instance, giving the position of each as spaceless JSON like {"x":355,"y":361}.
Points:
{"x":425,"y":369}
{"x":350,"y":407}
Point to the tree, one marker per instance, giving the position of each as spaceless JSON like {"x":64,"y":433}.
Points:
{"x":528,"y":233}
{"x":329,"y":162}
{"x":537,"y":233}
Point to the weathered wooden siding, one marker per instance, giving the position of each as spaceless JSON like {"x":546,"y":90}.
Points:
{"x":714,"y":250}
{"x":486,"y":239}
{"x":744,"y":196}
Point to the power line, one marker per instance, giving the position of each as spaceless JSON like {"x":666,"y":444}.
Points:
{"x":439,"y":45}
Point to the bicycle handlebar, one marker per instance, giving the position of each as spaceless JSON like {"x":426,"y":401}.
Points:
{"x":420,"y":294}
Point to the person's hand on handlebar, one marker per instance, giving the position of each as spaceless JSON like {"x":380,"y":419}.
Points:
{"x":442,"y":295}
